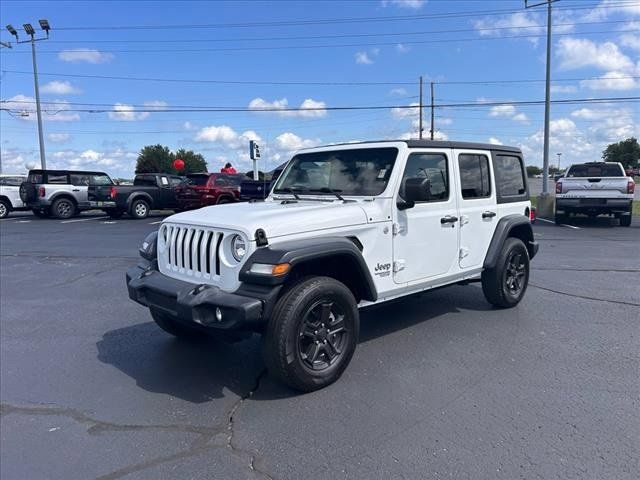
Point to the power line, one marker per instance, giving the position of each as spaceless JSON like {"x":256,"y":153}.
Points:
{"x":338,"y":45}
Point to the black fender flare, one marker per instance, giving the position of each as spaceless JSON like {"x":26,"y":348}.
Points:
{"x":518,"y":226}
{"x":298,"y":252}
{"x":63,"y":194}
{"x":139,"y":195}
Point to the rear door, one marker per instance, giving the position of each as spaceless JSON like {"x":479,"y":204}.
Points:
{"x":80,"y":186}
{"x":425,"y":242}
{"x":477,"y":205}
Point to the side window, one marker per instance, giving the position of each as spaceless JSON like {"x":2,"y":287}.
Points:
{"x":221,"y":182}
{"x":35,"y":178}
{"x":475,"y":181}
{"x":175,"y":181}
{"x":57,"y":179}
{"x":510,"y":176}
{"x":78,"y":179}
{"x":432,"y":166}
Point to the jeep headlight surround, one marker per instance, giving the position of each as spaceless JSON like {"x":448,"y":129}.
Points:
{"x":149,"y":248}
{"x":238,"y":247}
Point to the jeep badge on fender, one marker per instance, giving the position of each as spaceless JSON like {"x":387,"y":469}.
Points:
{"x":344,"y":227}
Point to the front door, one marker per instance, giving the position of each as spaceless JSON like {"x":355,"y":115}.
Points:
{"x":477,"y":206}
{"x":425,"y":241}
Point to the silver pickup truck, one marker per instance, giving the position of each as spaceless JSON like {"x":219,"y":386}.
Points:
{"x":593,"y":189}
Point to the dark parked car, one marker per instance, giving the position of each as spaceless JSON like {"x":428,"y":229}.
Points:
{"x":203,"y":189}
{"x":61,"y":193}
{"x":259,"y":189}
{"x":150,"y":191}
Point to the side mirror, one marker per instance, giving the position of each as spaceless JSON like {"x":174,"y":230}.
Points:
{"x":415,"y":190}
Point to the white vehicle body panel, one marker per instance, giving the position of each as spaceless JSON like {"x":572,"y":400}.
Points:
{"x":12,"y":192}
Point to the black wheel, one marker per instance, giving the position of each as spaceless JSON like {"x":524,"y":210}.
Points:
{"x":312,"y":334}
{"x":63,"y":208}
{"x":5,"y":208}
{"x":504,"y":285}
{"x":139,"y":209}
{"x":625,"y":220}
{"x":113,"y":213}
{"x":558,"y":218}
{"x":40,"y":213}
{"x":173,"y":327}
{"x":223,"y":200}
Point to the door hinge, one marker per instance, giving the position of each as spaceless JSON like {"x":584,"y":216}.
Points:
{"x":397,"y":229}
{"x":464,"y":251}
{"x":398,"y":265}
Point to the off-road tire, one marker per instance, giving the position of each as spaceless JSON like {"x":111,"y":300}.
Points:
{"x":174,"y":327}
{"x":287,"y":331}
{"x":625,"y":220}
{"x":139,"y":209}
{"x":5,"y":208}
{"x":63,"y":208}
{"x":558,"y":218}
{"x":223,"y":200}
{"x":495,"y":281}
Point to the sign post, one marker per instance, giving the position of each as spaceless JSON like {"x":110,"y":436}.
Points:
{"x":254,"y":154}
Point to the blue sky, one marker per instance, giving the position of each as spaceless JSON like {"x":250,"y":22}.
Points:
{"x":391,"y":43}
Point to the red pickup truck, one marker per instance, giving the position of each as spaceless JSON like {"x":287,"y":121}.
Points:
{"x":203,"y":189}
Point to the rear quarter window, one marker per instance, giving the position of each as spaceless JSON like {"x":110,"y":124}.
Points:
{"x":57,"y":179}
{"x":511,"y":183}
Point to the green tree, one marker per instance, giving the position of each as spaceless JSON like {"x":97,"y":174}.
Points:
{"x":532,"y":170}
{"x":193,"y":162}
{"x":627,"y":152}
{"x":155,"y":159}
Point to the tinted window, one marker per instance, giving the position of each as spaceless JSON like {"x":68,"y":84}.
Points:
{"x":591,"y":170}
{"x":432,"y":166}
{"x":175,"y":181}
{"x":474,"y":176}
{"x":100,"y":180}
{"x":510,"y":176}
{"x":197,"y":179}
{"x":221,"y":181}
{"x":360,"y":172}
{"x":11,"y":181}
{"x":59,"y":179}
{"x":35,"y":178}
{"x":79,"y":179}
{"x":145,"y":181}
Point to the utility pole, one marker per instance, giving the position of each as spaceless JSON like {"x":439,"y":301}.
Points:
{"x":432,"y":112}
{"x":547,"y":98}
{"x":29,"y":30}
{"x":420,"y":132}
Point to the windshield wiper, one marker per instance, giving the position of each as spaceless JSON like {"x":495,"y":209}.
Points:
{"x":335,"y":191}
{"x":289,"y":190}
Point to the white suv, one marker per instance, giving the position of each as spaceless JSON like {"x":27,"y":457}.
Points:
{"x":344,"y":227}
{"x":10,"y":194}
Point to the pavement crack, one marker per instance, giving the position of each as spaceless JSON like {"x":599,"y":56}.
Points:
{"x":230,"y":428}
{"x":595,"y":299}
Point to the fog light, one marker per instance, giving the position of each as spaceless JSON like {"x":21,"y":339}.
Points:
{"x":218,"y":314}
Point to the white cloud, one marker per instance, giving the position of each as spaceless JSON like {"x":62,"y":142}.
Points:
{"x":188,"y":126}
{"x":398,"y":92}
{"x":615,"y":80}
{"x":399,"y":113}
{"x":226,"y":136}
{"x":128,"y":113}
{"x":608,"y":8}
{"x":508,"y":111}
{"x":25,"y":109}
{"x":59,"y":137}
{"x":519,"y":23}
{"x":60,"y":88}
{"x":495,"y":141}
{"x":362,"y":58}
{"x":290,"y":142}
{"x":630,"y":40}
{"x":564,"y":89}
{"x":575,"y":53}
{"x":87,"y":55}
{"x":402,"y":48}
{"x":410,"y":4}
{"x":316,"y":108}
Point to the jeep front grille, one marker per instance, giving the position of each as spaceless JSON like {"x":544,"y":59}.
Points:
{"x":190,"y":251}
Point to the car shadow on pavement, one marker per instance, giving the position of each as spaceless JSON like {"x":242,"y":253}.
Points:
{"x":200,"y":371}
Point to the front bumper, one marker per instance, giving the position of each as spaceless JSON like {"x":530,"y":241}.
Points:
{"x":191,"y":303}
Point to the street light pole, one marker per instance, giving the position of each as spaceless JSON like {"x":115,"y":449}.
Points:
{"x":559,"y":155}
{"x":43,"y":160}
{"x":44,"y":24}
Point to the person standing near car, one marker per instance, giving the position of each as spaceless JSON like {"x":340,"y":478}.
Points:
{"x":228,"y":168}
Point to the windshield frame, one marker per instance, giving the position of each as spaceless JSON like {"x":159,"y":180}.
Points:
{"x":316,"y":193}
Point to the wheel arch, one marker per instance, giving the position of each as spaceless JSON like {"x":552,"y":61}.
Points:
{"x":6,"y":200}
{"x":133,"y":196}
{"x":335,"y":257}
{"x":66,"y":195}
{"x":510,"y":226}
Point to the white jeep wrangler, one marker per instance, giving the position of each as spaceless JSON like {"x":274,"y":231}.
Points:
{"x":344,"y":227}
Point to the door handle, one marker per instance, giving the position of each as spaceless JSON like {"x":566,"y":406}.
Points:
{"x":75,"y":190}
{"x":448,"y":219}
{"x":488,"y":214}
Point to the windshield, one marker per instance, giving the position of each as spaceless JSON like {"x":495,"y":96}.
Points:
{"x":358,"y":172}
{"x":594,"y":170}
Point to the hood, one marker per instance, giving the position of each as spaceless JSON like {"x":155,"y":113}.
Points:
{"x":274,"y":217}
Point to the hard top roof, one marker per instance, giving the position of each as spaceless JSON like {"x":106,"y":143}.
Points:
{"x":438,"y":144}
{"x":66,"y":172}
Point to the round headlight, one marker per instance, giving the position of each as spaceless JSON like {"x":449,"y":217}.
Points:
{"x":238,"y":247}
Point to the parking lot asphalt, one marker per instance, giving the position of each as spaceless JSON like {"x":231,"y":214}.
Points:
{"x":441,"y":385}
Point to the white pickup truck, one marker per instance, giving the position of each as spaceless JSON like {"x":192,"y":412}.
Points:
{"x":594,"y":189}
